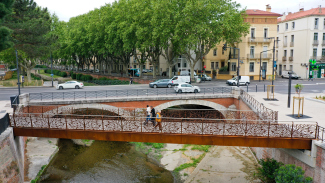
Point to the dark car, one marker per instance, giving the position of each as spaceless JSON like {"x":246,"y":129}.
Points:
{"x":160,"y":83}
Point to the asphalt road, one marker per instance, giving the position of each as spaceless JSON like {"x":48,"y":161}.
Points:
{"x":281,"y":86}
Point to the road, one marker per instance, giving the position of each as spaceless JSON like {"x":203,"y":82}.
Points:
{"x":281,"y":86}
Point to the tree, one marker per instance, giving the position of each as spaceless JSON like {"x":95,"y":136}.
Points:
{"x":31,"y":25}
{"x":202,"y":24}
{"x":5,"y":10}
{"x":291,"y":173}
{"x":268,"y":169}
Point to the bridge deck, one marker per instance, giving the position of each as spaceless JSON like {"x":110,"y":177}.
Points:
{"x":181,"y":131}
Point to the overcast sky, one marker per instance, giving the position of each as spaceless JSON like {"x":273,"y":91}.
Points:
{"x":65,"y":9}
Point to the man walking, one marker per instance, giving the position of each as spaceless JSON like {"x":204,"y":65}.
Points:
{"x":158,"y":120}
{"x":153,"y":116}
{"x":148,"y":115}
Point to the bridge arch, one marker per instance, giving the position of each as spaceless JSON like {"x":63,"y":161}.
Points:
{"x":212,"y":105}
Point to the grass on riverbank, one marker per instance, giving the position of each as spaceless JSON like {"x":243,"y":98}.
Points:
{"x":154,"y":149}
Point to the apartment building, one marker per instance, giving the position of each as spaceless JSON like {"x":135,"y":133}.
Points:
{"x":302,"y":43}
{"x":256,"y":49}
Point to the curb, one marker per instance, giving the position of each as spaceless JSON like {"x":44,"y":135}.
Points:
{"x":315,"y":100}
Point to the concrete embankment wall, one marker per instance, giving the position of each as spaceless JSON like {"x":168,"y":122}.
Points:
{"x":312,"y":162}
{"x":11,"y":157}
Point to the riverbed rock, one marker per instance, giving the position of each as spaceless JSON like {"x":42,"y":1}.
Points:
{"x":83,"y":142}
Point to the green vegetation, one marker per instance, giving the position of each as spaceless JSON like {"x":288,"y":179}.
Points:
{"x":49,"y":75}
{"x":38,"y":176}
{"x":187,"y":165}
{"x":291,"y":173}
{"x":268,"y":169}
{"x":5,"y":9}
{"x":56,"y":72}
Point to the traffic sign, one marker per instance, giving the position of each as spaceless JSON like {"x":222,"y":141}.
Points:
{"x":52,"y":75}
{"x":205,"y":67}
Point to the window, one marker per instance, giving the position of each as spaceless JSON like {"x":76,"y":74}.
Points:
{"x":217,"y":65}
{"x":264,"y":66}
{"x":314,"y":52}
{"x":252,"y":51}
{"x":134,"y":66}
{"x":212,"y":65}
{"x":315,"y":36}
{"x":184,"y":64}
{"x":251,"y":67}
{"x":291,"y":67}
{"x":285,"y":53}
{"x":316,"y":23}
{"x":293,"y":25}
{"x":144,"y":67}
{"x":284,"y":67}
{"x":276,"y":55}
{"x":253,"y":32}
{"x":323,"y":36}
{"x":179,"y":65}
{"x":323,"y":52}
{"x":285,"y":39}
{"x":291,"y":53}
{"x":292,"y":38}
{"x":215,"y":52}
{"x":265,"y":32}
{"x":277,"y":42}
{"x":223,"y":52}
{"x":286,"y":26}
{"x":324,"y":23}
{"x":233,"y":66}
{"x":277,"y":28}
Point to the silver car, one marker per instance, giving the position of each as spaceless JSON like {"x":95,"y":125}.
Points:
{"x":184,"y":87}
{"x":160,"y":83}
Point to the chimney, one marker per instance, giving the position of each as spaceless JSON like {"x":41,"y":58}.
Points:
{"x":320,"y":9}
{"x":268,"y":8}
{"x":289,"y":13}
{"x":301,"y":9}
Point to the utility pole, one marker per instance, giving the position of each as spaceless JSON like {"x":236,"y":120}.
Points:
{"x":289,"y":90}
{"x":18,"y":83}
{"x":52,"y":69}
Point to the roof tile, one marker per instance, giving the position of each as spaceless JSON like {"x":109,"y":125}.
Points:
{"x":300,"y":14}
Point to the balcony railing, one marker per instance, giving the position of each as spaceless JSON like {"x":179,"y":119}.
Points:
{"x":315,"y":43}
{"x":284,"y":44}
{"x":318,"y":58}
{"x":290,"y":58}
{"x":292,"y":44}
{"x":253,"y":56}
{"x":258,"y":40}
{"x":284,"y":58}
{"x":267,"y":56}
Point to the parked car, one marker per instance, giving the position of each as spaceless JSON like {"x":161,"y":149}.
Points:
{"x":243,"y":80}
{"x":184,"y":87}
{"x":144,"y":70}
{"x":187,"y":73}
{"x":285,"y":74}
{"x":97,"y":70}
{"x":179,"y":79}
{"x":204,"y":77}
{"x":160,"y":83}
{"x":70,"y":84}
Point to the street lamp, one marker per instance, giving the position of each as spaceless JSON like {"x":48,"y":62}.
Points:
{"x":18,"y":83}
{"x":261,"y":63}
{"x":273,"y":58}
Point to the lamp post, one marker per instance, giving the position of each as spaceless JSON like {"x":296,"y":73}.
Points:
{"x":52,"y":69}
{"x":261,"y":63}
{"x":18,"y":83}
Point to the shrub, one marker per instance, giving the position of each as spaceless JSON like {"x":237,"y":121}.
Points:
{"x":102,"y":79}
{"x":74,"y":75}
{"x":291,"y":173}
{"x":267,"y":172}
{"x":78,"y":76}
{"x":82,"y":78}
{"x":63,"y":74}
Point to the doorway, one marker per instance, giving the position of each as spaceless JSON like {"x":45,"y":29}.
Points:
{"x":280,"y":69}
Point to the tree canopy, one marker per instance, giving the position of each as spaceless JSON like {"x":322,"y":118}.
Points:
{"x":5,"y":10}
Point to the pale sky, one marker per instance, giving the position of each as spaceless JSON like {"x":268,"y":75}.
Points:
{"x":65,"y":9}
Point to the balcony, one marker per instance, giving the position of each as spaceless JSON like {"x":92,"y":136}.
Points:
{"x":284,"y":44}
{"x":284,"y":58}
{"x":292,"y":44}
{"x":266,"y":56}
{"x":290,"y":58}
{"x":315,"y":42}
{"x":258,"y":40}
{"x":323,"y":43}
{"x":318,"y":58}
{"x":253,"y":56}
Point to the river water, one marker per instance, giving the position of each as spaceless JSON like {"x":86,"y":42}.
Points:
{"x":103,"y":162}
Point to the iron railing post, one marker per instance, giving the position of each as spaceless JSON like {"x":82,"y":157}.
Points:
{"x":292,"y":130}
{"x":41,"y":96}
{"x":52,"y":96}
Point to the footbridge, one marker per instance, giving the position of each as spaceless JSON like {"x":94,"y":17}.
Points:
{"x":220,"y":116}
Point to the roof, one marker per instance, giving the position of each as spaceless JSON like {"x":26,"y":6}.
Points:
{"x":261,"y":12}
{"x":301,"y":14}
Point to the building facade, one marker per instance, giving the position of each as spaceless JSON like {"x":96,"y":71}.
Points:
{"x":302,"y":43}
{"x":256,"y":49}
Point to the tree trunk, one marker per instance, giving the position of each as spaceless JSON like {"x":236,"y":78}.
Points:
{"x":29,"y":78}
{"x":170,"y":71}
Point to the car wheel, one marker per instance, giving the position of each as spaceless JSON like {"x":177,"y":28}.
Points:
{"x":169,"y":85}
{"x":77,"y":87}
{"x":195,"y":91}
{"x":60,"y":88}
{"x":154,"y":86}
{"x":179,"y":91}
{"x":233,"y":84}
{"x":281,"y":76}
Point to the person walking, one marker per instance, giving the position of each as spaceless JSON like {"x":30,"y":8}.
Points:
{"x":153,"y":116}
{"x":158,"y":120}
{"x":131,"y":79}
{"x":148,"y":115}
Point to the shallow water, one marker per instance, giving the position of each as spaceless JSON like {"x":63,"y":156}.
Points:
{"x":103,"y":162}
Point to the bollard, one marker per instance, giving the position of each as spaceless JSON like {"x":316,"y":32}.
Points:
{"x":264,"y":87}
{"x":247,"y":88}
{"x":256,"y":87}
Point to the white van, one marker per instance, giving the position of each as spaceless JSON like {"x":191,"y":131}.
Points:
{"x":180,"y":79}
{"x":285,"y":74}
{"x":187,"y":73}
{"x":244,"y":80}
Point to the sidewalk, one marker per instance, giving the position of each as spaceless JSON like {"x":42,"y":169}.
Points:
{"x":313,"y":109}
